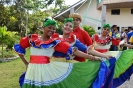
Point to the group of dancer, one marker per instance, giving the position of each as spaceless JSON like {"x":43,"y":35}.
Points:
{"x":60,"y":61}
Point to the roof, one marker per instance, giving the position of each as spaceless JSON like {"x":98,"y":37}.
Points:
{"x":62,"y":15}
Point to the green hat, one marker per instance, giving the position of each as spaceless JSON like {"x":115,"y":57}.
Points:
{"x":69,"y":20}
{"x":107,"y":26}
{"x":48,"y":22}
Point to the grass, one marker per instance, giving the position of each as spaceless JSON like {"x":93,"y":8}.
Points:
{"x":10,"y":72}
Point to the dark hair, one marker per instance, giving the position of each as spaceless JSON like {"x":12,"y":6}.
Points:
{"x":114,"y":26}
{"x":45,"y":19}
{"x":132,"y":28}
{"x":126,"y":29}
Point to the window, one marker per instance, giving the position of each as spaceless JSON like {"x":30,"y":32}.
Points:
{"x":99,"y":28}
{"x":118,"y":29}
{"x":115,"y":12}
{"x":131,"y":11}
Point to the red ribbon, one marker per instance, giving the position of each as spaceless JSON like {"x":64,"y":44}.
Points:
{"x":39,"y":59}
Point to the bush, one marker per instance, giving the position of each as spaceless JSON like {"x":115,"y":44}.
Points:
{"x":89,"y":29}
{"x":11,"y":39}
{"x":8,"y":54}
{"x":7,"y":38}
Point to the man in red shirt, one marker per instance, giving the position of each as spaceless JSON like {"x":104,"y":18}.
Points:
{"x":82,"y":35}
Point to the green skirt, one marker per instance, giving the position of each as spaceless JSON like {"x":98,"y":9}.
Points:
{"x":62,"y":75}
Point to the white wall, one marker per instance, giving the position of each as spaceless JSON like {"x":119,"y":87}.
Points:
{"x":125,"y":18}
{"x":92,"y":12}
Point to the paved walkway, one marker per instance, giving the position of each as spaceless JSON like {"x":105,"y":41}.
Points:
{"x":128,"y":84}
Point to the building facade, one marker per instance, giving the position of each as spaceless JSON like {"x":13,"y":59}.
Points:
{"x":98,"y":12}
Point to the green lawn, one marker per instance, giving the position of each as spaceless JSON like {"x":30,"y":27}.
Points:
{"x":10,"y":72}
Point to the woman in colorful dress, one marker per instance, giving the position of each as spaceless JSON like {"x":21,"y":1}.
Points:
{"x":74,"y":42}
{"x":41,"y":73}
{"x":67,"y":28}
{"x":71,"y":39}
{"x":124,"y":63}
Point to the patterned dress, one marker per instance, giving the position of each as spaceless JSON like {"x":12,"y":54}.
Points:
{"x":41,"y":73}
{"x":124,"y":63}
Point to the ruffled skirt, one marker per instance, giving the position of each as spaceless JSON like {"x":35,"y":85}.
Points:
{"x":66,"y":75}
{"x":124,"y":66}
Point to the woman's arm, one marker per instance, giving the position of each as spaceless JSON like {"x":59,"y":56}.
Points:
{"x":83,"y":55}
{"x":23,"y":59}
{"x":96,"y":53}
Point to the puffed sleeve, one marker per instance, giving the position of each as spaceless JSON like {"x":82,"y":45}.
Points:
{"x":20,"y":48}
{"x":80,"y":46}
{"x":65,"y":48}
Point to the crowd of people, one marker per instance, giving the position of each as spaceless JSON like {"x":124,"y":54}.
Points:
{"x":125,"y":35}
{"x":75,"y":60}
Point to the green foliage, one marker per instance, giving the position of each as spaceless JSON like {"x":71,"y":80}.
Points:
{"x":8,"y":54}
{"x":11,"y":39}
{"x":59,"y":28}
{"x":7,"y":37}
{"x":89,"y":29}
{"x":16,"y":16}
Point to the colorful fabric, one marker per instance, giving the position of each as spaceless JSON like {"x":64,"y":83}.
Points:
{"x":58,"y":74}
{"x":48,"y":22}
{"x":107,"y":26}
{"x":124,"y":62}
{"x":123,"y":77}
{"x":131,"y":39}
{"x":95,"y":76}
{"x":102,"y":42}
{"x":74,"y":43}
{"x":69,"y":20}
{"x":123,"y":65}
{"x":129,"y":34}
{"x":83,"y":37}
{"x":109,"y":79}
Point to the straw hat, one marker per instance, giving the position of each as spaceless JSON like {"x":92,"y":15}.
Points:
{"x":75,"y":15}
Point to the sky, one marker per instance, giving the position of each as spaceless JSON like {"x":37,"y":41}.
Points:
{"x":71,"y":2}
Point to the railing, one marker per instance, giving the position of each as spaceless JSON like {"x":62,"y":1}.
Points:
{"x":112,"y":1}
{"x":115,"y":1}
{"x":99,"y":1}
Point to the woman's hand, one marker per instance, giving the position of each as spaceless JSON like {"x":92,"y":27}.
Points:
{"x":108,"y":56}
{"x":93,"y":58}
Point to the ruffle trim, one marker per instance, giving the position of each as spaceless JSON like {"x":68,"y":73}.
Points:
{"x":123,"y":77}
{"x":71,"y":39}
{"x":37,"y":43}
{"x":102,"y":42}
{"x":21,"y":79}
{"x":118,"y":75}
{"x":18,"y":49}
{"x":101,"y":77}
{"x":128,"y":65}
{"x":36,"y":39}
{"x":70,"y":51}
{"x":45,"y":46}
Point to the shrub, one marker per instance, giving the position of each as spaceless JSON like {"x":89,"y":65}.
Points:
{"x":11,"y":39}
{"x":89,"y":29}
